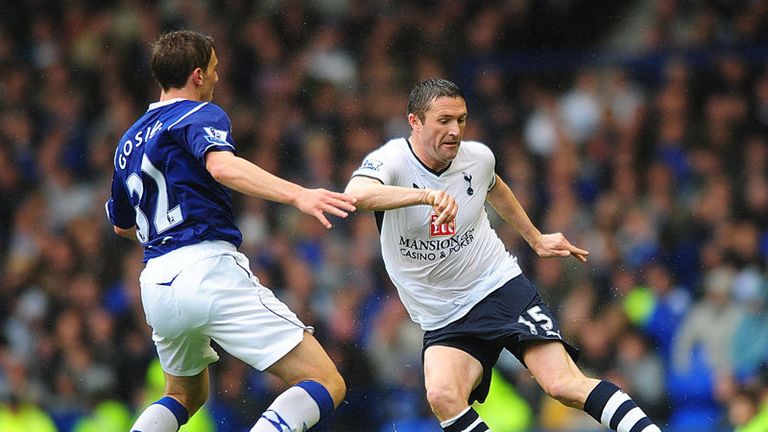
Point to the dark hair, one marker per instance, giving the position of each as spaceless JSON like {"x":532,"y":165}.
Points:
{"x":425,"y":92}
{"x":176,"y":54}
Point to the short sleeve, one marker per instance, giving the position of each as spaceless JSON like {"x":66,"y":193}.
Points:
{"x":120,"y":212}
{"x":491,"y":167}
{"x":381,"y":165}
{"x":207,"y":129}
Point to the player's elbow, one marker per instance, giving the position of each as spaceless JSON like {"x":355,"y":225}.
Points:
{"x":128,"y":233}
{"x":218,"y":171}
{"x":352,"y":191}
{"x":219,"y":166}
{"x":360,"y":196}
{"x":363,"y":194}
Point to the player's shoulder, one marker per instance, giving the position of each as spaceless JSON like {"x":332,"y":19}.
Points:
{"x":476,"y":149}
{"x":382,"y":159}
{"x":393,"y":149}
{"x":212,"y":108}
{"x":395,"y":145}
{"x":188,"y":112}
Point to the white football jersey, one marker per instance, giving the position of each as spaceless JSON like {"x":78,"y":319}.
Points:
{"x":440,"y":272}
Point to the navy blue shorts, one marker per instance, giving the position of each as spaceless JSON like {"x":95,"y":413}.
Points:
{"x":507,"y":318}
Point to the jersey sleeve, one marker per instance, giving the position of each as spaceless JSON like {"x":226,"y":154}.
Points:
{"x":120,"y":212}
{"x":207,"y":129}
{"x":380,"y":165}
{"x":490,"y":159}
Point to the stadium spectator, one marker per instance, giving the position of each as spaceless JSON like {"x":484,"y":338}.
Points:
{"x":73,"y":79}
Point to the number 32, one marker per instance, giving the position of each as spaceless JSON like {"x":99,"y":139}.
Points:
{"x":162,"y":218}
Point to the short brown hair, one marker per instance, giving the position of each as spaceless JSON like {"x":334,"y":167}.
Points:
{"x":176,"y":54}
{"x":424,"y":93}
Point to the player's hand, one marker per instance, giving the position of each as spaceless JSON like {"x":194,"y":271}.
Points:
{"x":444,"y":206}
{"x":317,"y":202}
{"x":556,"y":245}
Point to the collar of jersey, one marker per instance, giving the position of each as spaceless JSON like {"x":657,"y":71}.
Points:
{"x":155,"y":105}
{"x":431,"y":171}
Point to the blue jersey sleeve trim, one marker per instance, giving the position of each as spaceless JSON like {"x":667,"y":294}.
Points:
{"x":223,"y":146}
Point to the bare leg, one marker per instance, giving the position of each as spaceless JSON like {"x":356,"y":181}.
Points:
{"x":316,"y":389}
{"x":183,"y":397}
{"x":449,"y":376}
{"x":560,"y":378}
{"x":309,"y":361}
{"x":557,"y":374}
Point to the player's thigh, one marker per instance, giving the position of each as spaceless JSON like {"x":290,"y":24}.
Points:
{"x":451,"y":369}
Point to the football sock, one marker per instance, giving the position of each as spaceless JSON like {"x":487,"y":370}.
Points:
{"x":165,"y":415}
{"x":468,"y":421}
{"x":296,"y":409}
{"x":614,"y":409}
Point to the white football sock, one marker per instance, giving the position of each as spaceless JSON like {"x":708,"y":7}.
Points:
{"x":165,"y":415}
{"x":296,"y":409}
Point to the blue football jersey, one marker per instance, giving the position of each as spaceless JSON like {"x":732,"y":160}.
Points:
{"x":160,"y":183}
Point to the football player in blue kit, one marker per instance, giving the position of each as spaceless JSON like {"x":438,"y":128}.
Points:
{"x":170,"y":190}
{"x":454,"y":275}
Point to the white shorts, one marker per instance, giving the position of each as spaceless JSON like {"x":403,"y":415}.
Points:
{"x":207,"y":291}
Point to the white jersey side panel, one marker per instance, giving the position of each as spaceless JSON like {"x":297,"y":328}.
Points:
{"x":440,"y":272}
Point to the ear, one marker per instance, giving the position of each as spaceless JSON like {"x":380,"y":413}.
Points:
{"x":197,"y":76}
{"x":414,"y":121}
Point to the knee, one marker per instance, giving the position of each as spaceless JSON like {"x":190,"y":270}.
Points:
{"x":336,"y":387}
{"x":445,"y":402}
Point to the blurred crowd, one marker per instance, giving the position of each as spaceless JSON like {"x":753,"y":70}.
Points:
{"x":655,"y":159}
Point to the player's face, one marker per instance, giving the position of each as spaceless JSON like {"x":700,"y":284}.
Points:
{"x":438,"y":138}
{"x":210,"y":78}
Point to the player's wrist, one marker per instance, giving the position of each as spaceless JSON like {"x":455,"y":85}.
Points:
{"x":294,"y":195}
{"x":535,"y":240}
{"x":428,"y":197}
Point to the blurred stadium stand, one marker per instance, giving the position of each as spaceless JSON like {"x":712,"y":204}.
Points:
{"x":638,"y":128}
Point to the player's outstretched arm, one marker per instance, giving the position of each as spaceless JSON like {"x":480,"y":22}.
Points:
{"x":372,"y":195}
{"x":248,"y":178}
{"x":504,"y":201}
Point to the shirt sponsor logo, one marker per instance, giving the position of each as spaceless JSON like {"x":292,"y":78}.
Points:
{"x":431,"y":250}
{"x":215,"y":136}
{"x":442,"y":230}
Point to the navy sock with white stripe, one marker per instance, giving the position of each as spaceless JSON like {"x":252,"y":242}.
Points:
{"x":614,"y":409}
{"x":468,"y":421}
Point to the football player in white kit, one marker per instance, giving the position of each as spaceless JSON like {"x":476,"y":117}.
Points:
{"x":169,"y":191}
{"x":454,"y":275}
